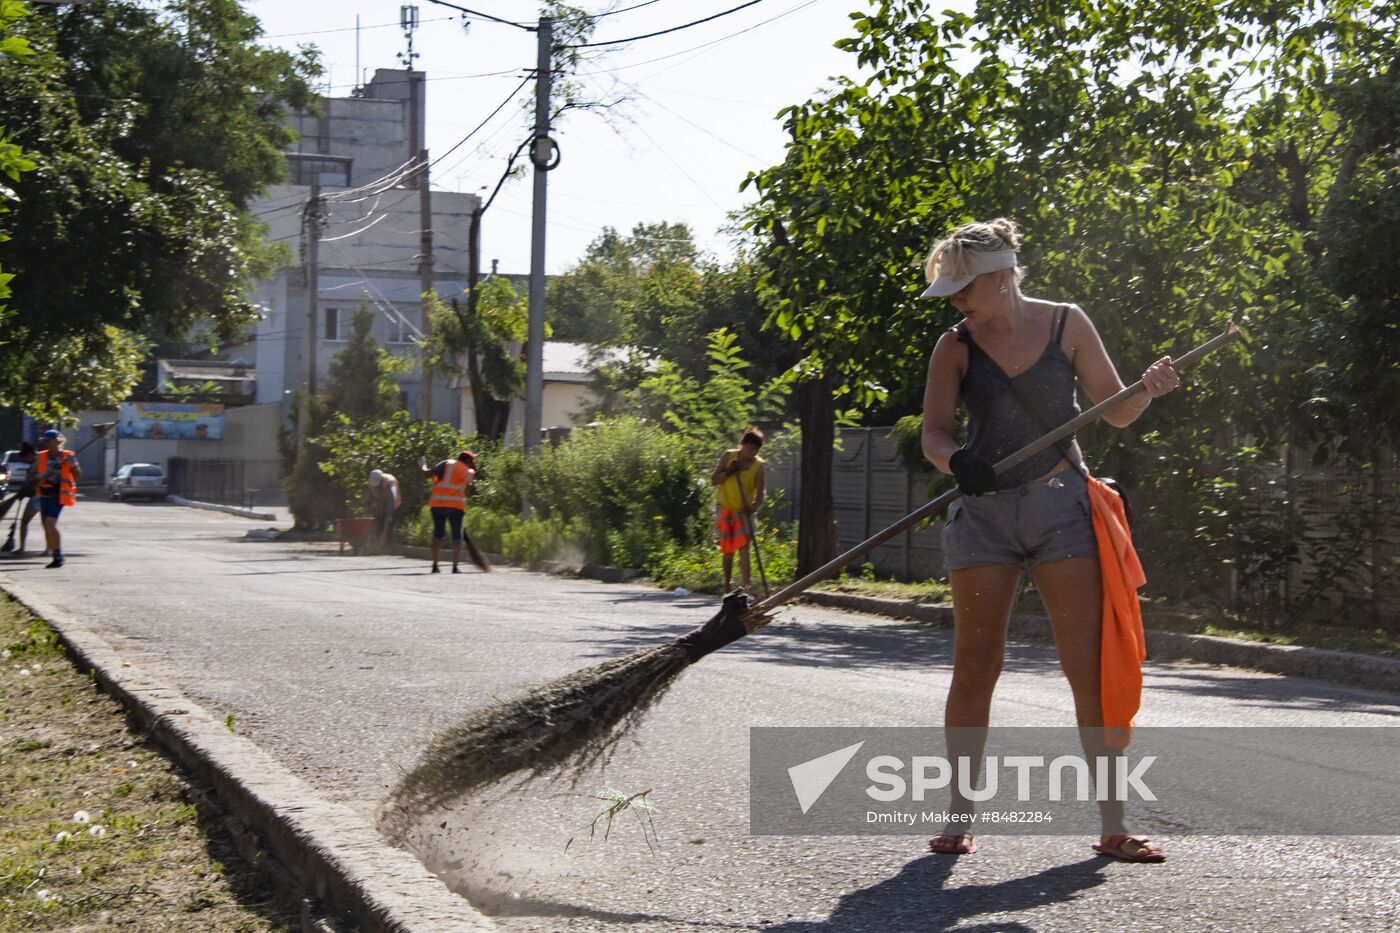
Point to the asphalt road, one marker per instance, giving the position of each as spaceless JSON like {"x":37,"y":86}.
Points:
{"x":341,"y":666}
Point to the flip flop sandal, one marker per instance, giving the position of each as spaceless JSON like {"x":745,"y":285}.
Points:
{"x":954,"y":844}
{"x":1114,"y":849}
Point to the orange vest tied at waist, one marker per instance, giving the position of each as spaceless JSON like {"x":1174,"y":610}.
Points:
{"x":67,"y":489}
{"x":1124,"y":646}
{"x":450,"y":490}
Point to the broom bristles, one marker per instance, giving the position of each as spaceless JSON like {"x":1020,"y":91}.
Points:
{"x":476,"y":556}
{"x":574,"y":721}
{"x":569,"y":723}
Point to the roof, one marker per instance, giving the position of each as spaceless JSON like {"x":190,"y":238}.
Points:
{"x":572,"y":362}
{"x":208,"y":370}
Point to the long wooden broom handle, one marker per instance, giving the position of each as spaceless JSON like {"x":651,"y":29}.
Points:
{"x":937,"y":505}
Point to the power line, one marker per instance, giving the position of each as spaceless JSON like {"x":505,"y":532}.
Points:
{"x":320,"y":32}
{"x":626,"y":9}
{"x":483,"y":123}
{"x":701,"y":47}
{"x":487,"y":16}
{"x":663,"y":32}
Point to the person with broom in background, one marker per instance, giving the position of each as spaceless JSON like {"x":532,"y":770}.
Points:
{"x":57,"y":473}
{"x":739,"y":484}
{"x":448,"y":505}
{"x":1014,"y":362}
{"x":25,"y":513}
{"x":383,"y":498}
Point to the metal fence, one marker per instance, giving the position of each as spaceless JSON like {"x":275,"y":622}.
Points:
{"x":231,"y":482}
{"x":872,"y":489}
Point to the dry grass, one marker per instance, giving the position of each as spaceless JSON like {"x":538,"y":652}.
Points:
{"x":158,"y":862}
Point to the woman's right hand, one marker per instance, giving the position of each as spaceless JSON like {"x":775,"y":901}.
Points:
{"x":975,"y":475}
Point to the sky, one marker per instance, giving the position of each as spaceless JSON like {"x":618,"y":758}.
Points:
{"x":699,"y":115}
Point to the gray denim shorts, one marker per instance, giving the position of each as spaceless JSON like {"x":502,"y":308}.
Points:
{"x":1037,"y":523}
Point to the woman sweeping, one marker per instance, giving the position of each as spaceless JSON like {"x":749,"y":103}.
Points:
{"x":1013,"y":363}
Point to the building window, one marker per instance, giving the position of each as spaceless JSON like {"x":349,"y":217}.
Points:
{"x":337,"y":324}
{"x":399,"y":329}
{"x":307,"y":169}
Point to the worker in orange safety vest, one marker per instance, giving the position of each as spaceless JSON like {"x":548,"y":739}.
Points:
{"x":448,"y":502}
{"x":57,"y":486}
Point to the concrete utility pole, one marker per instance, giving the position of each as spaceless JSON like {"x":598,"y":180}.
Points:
{"x":418,"y":151}
{"x":425,"y":278}
{"x":543,"y":154}
{"x":311,"y":221}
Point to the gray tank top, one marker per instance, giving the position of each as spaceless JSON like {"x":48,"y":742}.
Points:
{"x":999,"y":421}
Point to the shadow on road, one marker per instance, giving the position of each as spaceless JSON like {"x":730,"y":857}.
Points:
{"x":918,"y":898}
{"x":888,"y":645}
{"x":1273,"y":693}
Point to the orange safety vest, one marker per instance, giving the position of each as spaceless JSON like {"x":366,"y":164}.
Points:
{"x":450,"y":491}
{"x":67,"y":483}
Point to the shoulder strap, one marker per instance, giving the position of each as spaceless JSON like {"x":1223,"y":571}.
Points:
{"x":1063,"y":315}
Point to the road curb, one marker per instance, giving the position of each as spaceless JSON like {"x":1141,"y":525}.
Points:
{"x":333,"y":852}
{"x":216,"y":507}
{"x":1345,"y":667}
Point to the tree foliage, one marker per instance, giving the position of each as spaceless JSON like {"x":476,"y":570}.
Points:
{"x":150,"y":125}
{"x":1173,"y":164}
{"x":479,"y":338}
{"x":361,"y":385}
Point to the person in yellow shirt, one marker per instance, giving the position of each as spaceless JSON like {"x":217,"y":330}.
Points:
{"x":739,"y":482}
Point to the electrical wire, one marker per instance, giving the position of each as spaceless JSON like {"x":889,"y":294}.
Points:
{"x":320,"y":32}
{"x":662,"y":32}
{"x":626,"y":9}
{"x":486,"y":16}
{"x":510,"y":97}
{"x":701,"y":47}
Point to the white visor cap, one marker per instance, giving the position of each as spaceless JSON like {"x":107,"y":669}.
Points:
{"x":376,"y":477}
{"x":975,"y":263}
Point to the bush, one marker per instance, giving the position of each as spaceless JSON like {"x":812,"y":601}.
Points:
{"x":531,"y":540}
{"x":394,"y":445}
{"x":314,"y":499}
{"x":487,"y":528}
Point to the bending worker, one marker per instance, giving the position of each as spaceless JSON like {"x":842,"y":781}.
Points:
{"x":384,"y":498}
{"x":448,"y":502}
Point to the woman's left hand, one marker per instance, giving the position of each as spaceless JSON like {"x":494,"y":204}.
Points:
{"x":1160,"y":378}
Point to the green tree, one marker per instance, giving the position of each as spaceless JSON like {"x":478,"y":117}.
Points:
{"x":393,"y":444}
{"x":361,"y":383}
{"x":150,"y":125}
{"x":12,"y":159}
{"x":1172,"y":165}
{"x":479,"y":339}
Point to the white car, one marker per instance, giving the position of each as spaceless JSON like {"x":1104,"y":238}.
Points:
{"x":135,"y":480}
{"x":13,"y":470}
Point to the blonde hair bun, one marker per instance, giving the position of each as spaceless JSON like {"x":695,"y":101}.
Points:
{"x":982,"y":236}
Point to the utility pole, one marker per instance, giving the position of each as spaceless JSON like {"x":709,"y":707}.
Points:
{"x":418,"y":151}
{"x":311,"y":221}
{"x":425,"y":279}
{"x":544,"y":155}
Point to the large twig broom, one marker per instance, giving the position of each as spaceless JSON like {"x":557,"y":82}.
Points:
{"x":576,"y":720}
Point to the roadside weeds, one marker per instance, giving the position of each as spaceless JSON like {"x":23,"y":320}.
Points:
{"x":101,"y":827}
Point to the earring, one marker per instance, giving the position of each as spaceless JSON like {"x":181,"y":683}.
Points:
{"x":1003,"y":289}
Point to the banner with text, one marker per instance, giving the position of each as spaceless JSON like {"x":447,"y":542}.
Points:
{"x":171,"y":421}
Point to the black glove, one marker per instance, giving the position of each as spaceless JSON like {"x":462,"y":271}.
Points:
{"x":974,"y":474}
